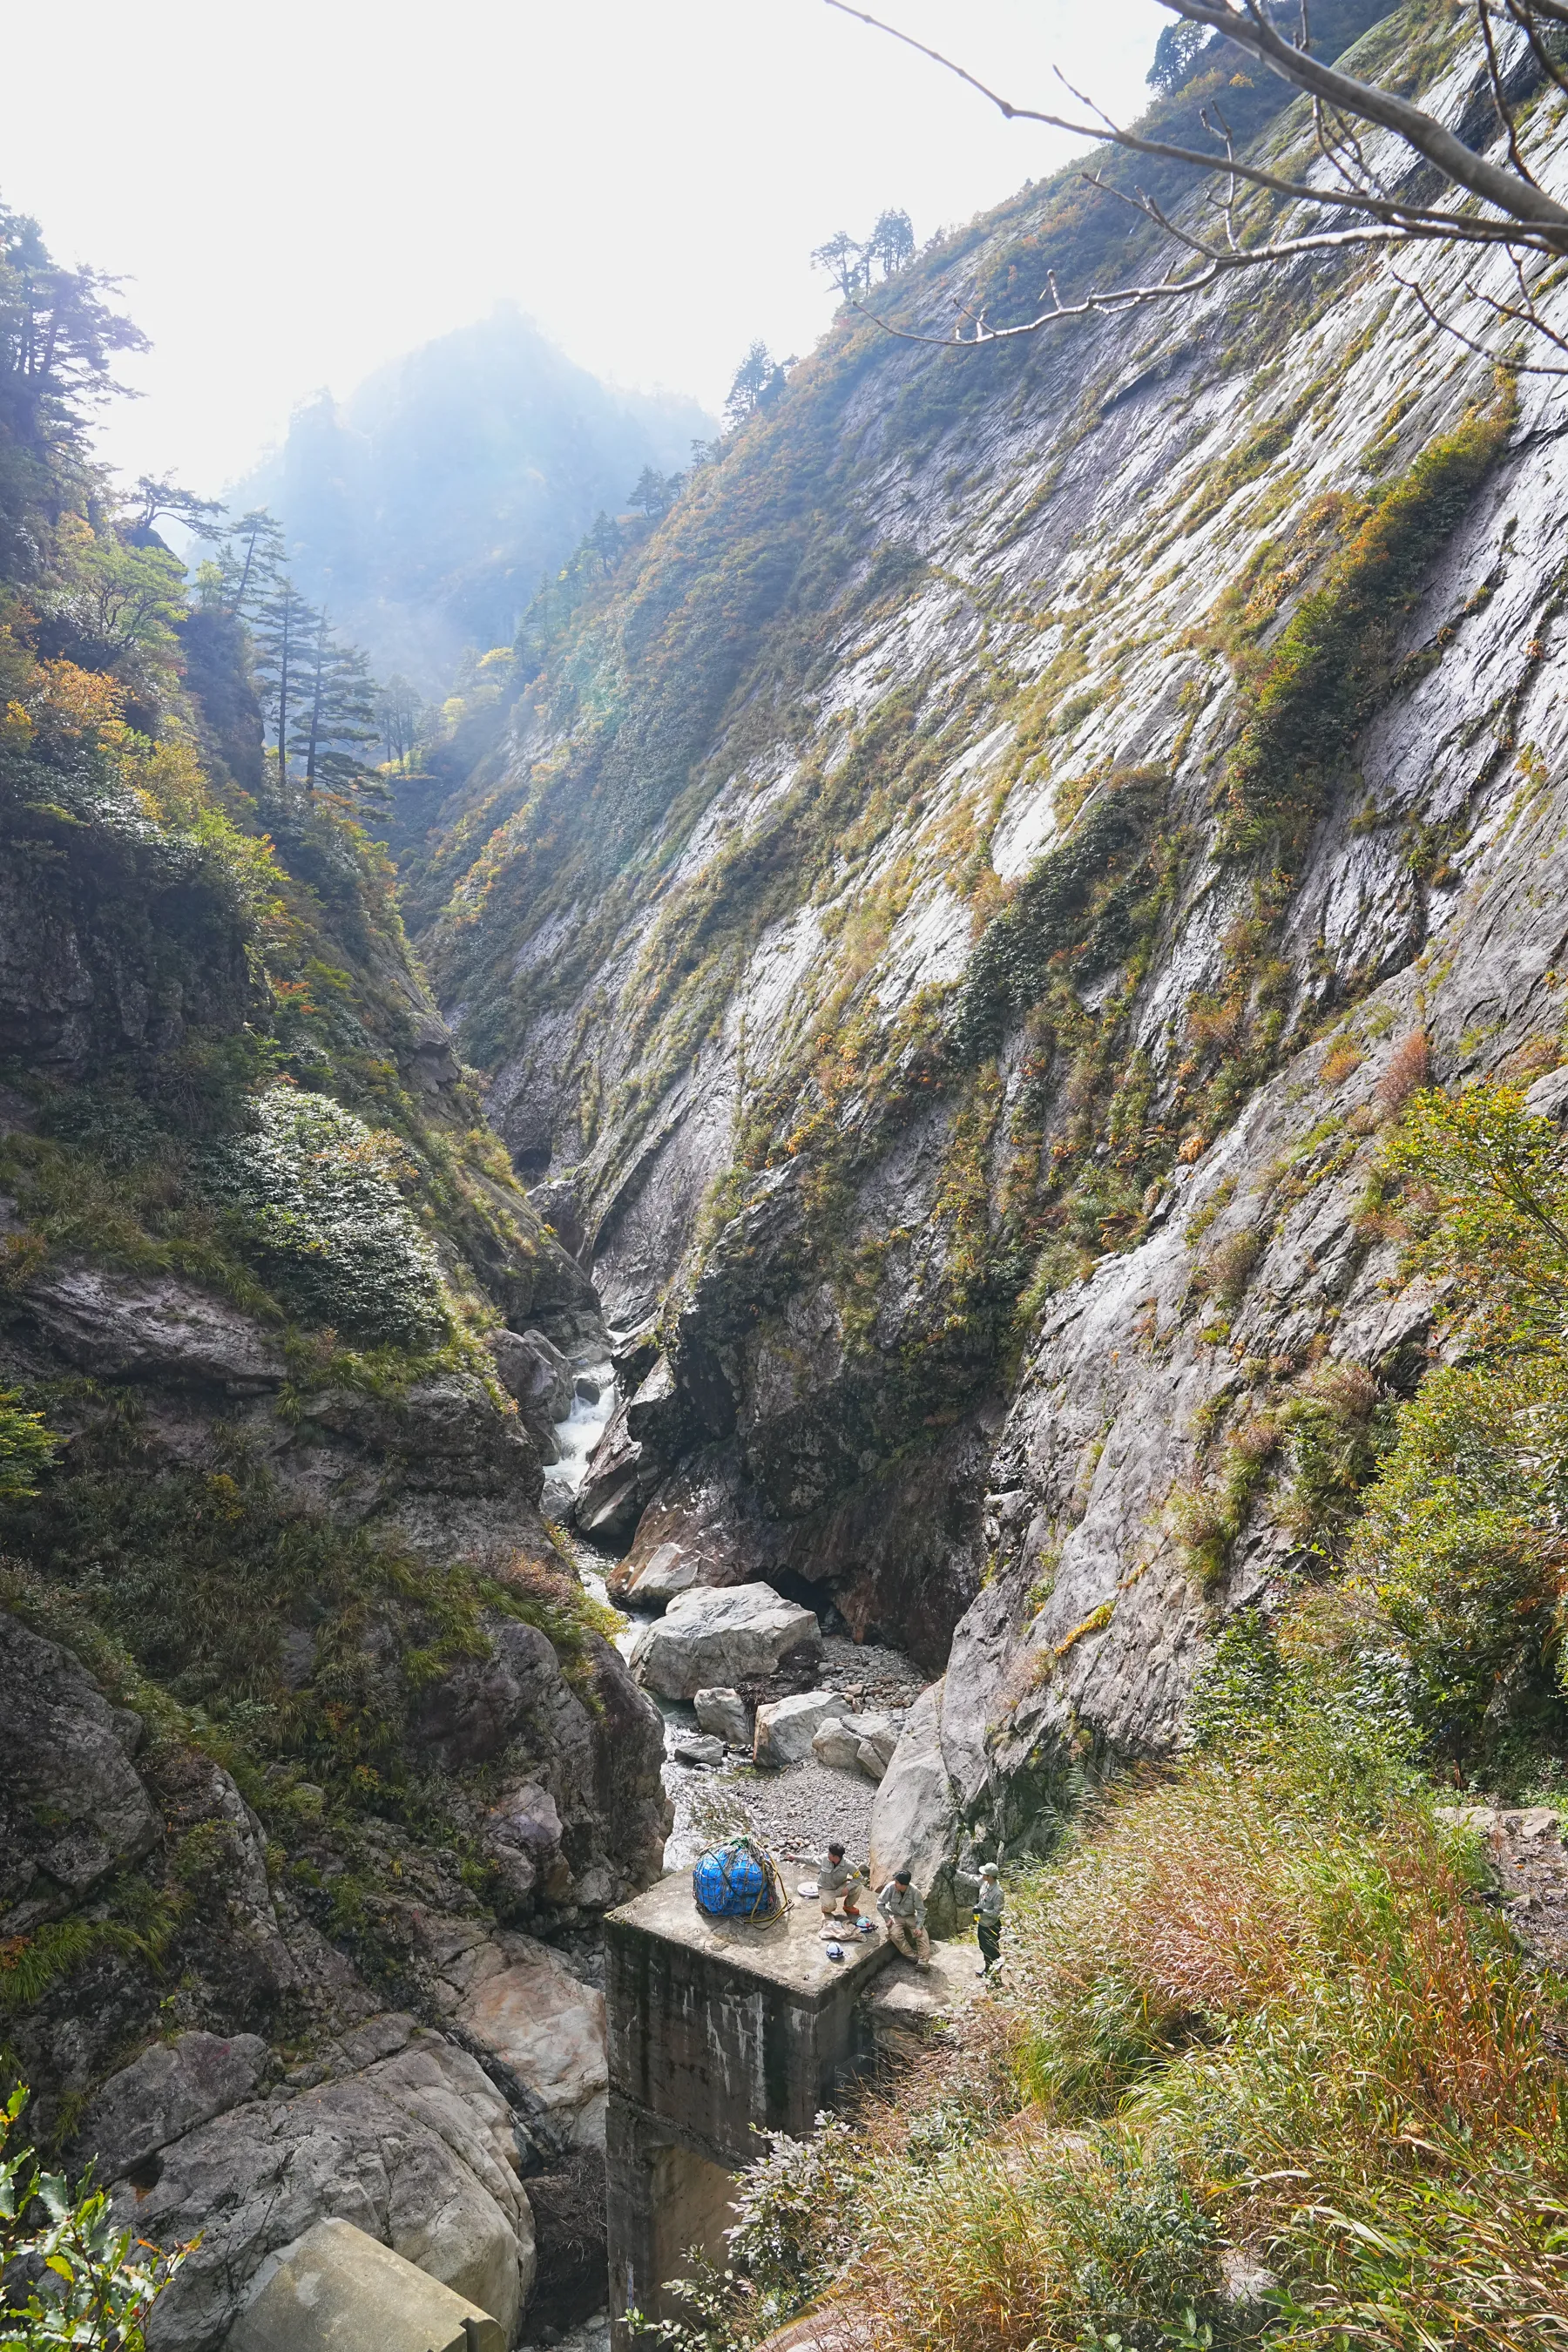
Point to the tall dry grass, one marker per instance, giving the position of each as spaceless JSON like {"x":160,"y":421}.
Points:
{"x":1243,"y":2019}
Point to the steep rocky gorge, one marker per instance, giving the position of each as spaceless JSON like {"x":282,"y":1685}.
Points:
{"x":949,"y":922}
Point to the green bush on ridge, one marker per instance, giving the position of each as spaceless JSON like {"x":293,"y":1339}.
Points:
{"x":313,"y":1195}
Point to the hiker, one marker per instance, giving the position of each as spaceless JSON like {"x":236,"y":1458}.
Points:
{"x":837,"y":1882}
{"x":988,"y":1909}
{"x":905,"y":1914}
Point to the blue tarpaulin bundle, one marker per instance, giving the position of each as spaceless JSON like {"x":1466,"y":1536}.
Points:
{"x":737,"y":1881}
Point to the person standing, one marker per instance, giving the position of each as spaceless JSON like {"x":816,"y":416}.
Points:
{"x":837,"y":1883}
{"x":905,"y":1914}
{"x":988,"y":1909}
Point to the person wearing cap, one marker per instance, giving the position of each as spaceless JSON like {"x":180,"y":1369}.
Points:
{"x":905,"y":1914}
{"x":837,"y":1882}
{"x":989,"y":1906}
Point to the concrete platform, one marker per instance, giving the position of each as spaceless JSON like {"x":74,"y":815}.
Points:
{"x":904,"y":1998}
{"x":788,"y":1952}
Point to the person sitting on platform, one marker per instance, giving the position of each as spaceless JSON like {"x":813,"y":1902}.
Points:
{"x":905,"y":1914}
{"x":837,"y":1882}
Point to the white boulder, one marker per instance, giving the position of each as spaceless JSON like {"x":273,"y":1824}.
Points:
{"x":856,"y":1743}
{"x":725,"y":1713}
{"x":835,"y":1742}
{"x":722,"y":1633}
{"x":668,"y":1570}
{"x":878,"y":1736}
{"x":786,"y":1729}
{"x":916,"y":1819}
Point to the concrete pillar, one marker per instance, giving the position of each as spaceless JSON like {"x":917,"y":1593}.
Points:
{"x":716,"y":2030}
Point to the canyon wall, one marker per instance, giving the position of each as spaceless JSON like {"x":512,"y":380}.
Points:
{"x":955,"y":911}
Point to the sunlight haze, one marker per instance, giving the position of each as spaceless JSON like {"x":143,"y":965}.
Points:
{"x":323,"y":188}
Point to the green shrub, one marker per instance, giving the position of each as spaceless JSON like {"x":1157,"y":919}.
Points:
{"x":1463,"y":1541}
{"x":81,"y":2279}
{"x":27,"y":1445}
{"x":1078,"y":906}
{"x":313,"y":1197}
{"x":1335,"y":658}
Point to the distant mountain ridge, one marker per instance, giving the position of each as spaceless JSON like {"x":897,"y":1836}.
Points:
{"x":424,"y":509}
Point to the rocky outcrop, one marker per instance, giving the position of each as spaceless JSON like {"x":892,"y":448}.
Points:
{"x":169,"y":2090}
{"x":537,"y":2026}
{"x":581,"y":1816}
{"x":119,"y":1328}
{"x":535,"y":1373}
{"x":416,"y":2151}
{"x":72,"y":1806}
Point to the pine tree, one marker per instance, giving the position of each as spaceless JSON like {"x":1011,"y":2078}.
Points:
{"x":250,"y":562}
{"x":845,"y":263}
{"x":398,"y":718}
{"x":653,"y":492}
{"x":605,"y":539}
{"x":891,"y":242}
{"x":337,"y":716}
{"x":281,"y":630}
{"x":753,"y":377}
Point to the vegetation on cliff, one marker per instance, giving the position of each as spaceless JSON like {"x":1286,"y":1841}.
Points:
{"x":227,"y":1107}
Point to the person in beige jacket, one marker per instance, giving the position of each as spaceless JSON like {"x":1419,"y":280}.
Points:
{"x":837,"y":1884}
{"x":905,"y":1914}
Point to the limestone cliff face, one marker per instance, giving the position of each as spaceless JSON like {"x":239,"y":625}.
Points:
{"x":948,"y":916}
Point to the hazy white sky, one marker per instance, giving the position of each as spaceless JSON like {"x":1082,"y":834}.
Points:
{"x":299,"y":192}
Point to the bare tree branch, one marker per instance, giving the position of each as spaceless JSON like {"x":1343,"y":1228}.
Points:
{"x":1422,"y":132}
{"x":1544,"y":238}
{"x":1530,"y":318}
{"x":1532,"y":222}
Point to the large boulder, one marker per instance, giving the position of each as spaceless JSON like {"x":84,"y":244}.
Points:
{"x":786,"y":1726}
{"x":878,"y":1739}
{"x":667,"y":1570}
{"x":165,"y":2093}
{"x":726,"y":1634}
{"x":414,"y":2151}
{"x":725,"y":1714}
{"x":72,"y":1806}
{"x":850,"y":1743}
{"x":916,"y":1819}
{"x":515,"y":2000}
{"x":836,"y":1744}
